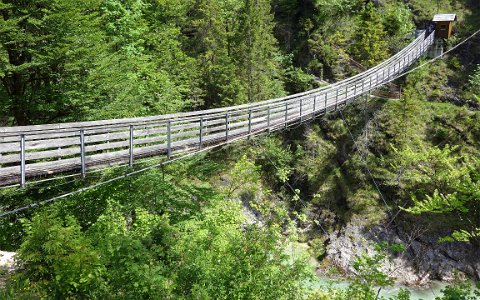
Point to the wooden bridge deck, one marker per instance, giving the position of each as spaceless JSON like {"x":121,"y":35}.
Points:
{"x":29,"y":152}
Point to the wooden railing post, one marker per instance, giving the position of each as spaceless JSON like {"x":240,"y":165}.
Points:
{"x":346,"y":94}
{"x":22,"y":160}
{"x":314,"y":107}
{"x":249,"y":122}
{"x":301,"y":104}
{"x":268,"y":118}
{"x":227,"y":120}
{"x":200,"y":142}
{"x":130,"y":159}
{"x":286,"y":114}
{"x":326,"y":102}
{"x":82,"y":153}
{"x":169,"y":139}
{"x":336,"y":100}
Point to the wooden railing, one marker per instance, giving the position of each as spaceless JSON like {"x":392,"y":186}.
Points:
{"x":30,"y":152}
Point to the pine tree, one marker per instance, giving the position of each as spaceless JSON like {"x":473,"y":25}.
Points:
{"x":257,"y":53}
{"x":212,"y":24}
{"x":370,"y":45}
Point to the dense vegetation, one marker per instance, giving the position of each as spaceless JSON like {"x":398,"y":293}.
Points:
{"x":217,"y":225}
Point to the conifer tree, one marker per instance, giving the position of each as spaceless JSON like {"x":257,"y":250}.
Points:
{"x":212,"y":23}
{"x":370,"y":44}
{"x":257,"y":53}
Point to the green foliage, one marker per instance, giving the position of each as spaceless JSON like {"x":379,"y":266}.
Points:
{"x":370,"y":46}
{"x":216,"y":258}
{"x":369,"y":277}
{"x":398,"y":19}
{"x":455,"y":185}
{"x":297,"y":81}
{"x":430,"y":83}
{"x":276,"y":159}
{"x":433,"y":167}
{"x":256,"y":52}
{"x":474,"y":82}
{"x":46,"y":49}
{"x":71,"y":60}
{"x":179,"y":246}
{"x":461,"y":291}
{"x":317,"y":248}
{"x":398,"y":23}
{"x":58,"y":258}
{"x":130,"y":253}
{"x":245,"y":177}
{"x":214,"y":25}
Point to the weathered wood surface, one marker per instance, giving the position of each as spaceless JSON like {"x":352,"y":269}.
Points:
{"x":56,"y":148}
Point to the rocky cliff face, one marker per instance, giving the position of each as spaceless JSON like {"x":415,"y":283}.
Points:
{"x":423,"y":261}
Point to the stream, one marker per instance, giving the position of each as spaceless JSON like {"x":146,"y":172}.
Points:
{"x":416,"y":293}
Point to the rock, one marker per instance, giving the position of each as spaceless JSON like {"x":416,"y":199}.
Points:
{"x":7,"y":265}
{"x":425,"y":259}
{"x":7,"y":261}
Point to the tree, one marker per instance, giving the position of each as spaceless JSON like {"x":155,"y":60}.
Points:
{"x":46,"y":50}
{"x":212,"y":25}
{"x":125,"y":25}
{"x":369,"y":43}
{"x":257,"y":55}
{"x":145,"y":71}
{"x":455,"y":185}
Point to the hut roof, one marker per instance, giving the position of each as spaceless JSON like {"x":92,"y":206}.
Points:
{"x":445,"y":18}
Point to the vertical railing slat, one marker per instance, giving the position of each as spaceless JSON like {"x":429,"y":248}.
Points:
{"x":286,"y":114}
{"x":268,"y":118}
{"x":227,"y":120}
{"x":301,"y":104}
{"x":22,"y":161}
{"x":130,"y":159}
{"x":336,"y":100}
{"x":82,"y":153}
{"x":169,"y":139}
{"x":326,"y":102}
{"x":249,"y":123}
{"x":200,"y":142}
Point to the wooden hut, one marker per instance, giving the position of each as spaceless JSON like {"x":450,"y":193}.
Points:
{"x":444,"y":25}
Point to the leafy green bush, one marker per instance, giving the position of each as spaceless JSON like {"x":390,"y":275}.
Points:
{"x":57,"y":257}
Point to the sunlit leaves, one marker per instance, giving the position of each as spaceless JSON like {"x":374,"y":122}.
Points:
{"x":455,"y":184}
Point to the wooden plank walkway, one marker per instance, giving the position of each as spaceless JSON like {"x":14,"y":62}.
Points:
{"x":30,"y":152}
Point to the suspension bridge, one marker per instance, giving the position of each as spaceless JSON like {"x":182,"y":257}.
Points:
{"x":30,"y":153}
